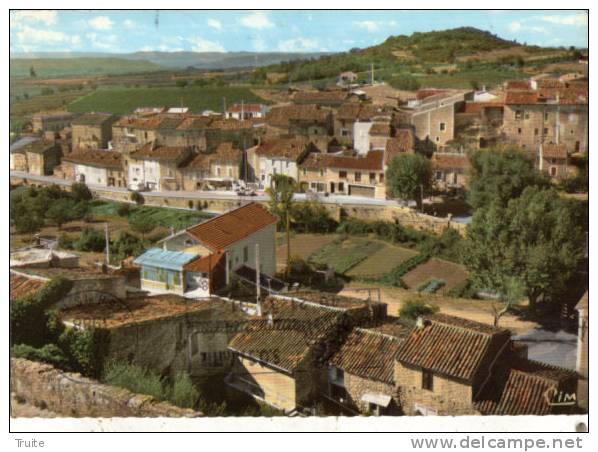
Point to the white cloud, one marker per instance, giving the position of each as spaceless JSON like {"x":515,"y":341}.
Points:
{"x":298,"y":45}
{"x":539,"y":30}
{"x":203,"y":45}
{"x":215,"y":23}
{"x":515,"y":26}
{"x":257,"y":20}
{"x":102,"y":41}
{"x":101,"y":23}
{"x":259,"y":45}
{"x":28,"y":35}
{"x":579,"y":20}
{"x":368,"y":25}
{"x":18,"y":18}
{"x":130,"y":24}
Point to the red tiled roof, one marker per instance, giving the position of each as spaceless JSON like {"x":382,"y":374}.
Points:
{"x":518,"y":84}
{"x":205,"y":264}
{"x":555,"y":151}
{"x":452,"y":346}
{"x":226,"y":229}
{"x":373,"y":161}
{"x":380,"y":129}
{"x":523,"y":387}
{"x":295,"y":330}
{"x":23,"y":285}
{"x":155,"y":121}
{"x":226,"y":153}
{"x":237,"y":108}
{"x":281,"y":116}
{"x":450,"y":161}
{"x":103,"y":159}
{"x":368,"y":354}
{"x":423,"y":93}
{"x":521,"y":97}
{"x":152,"y":151}
{"x":403,"y":141}
{"x":290,"y":148}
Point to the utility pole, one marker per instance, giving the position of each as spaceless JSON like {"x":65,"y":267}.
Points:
{"x":258,"y":286}
{"x":242,"y":110}
{"x":288,"y":227}
{"x":372,"y":73}
{"x":107,"y":238}
{"x":421,"y":197}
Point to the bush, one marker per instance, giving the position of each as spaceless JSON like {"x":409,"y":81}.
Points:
{"x":312,"y":217}
{"x":86,"y":350}
{"x":431,"y":286}
{"x":49,"y":353}
{"x":466,"y":289}
{"x":184,"y":393}
{"x":81,"y":192}
{"x":137,"y":198}
{"x":90,"y":240}
{"x":394,"y":277}
{"x":413,"y":309}
{"x":405,"y":82}
{"x":127,"y":245}
{"x":66,"y":242}
{"x":135,"y":379}
{"x":123,"y":210}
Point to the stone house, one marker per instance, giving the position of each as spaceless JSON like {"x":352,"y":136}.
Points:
{"x":156,"y":167}
{"x":309,"y":120}
{"x":202,"y":259}
{"x":347,"y":78}
{"x":281,"y":357}
{"x":452,"y":366}
{"x":92,"y":130}
{"x":479,"y":125}
{"x":361,"y":372}
{"x":433,"y":115}
{"x":451,"y":170}
{"x":548,"y":112}
{"x":278,"y":156}
{"x":38,"y":157}
{"x":95,"y":167}
{"x":242,"y":134}
{"x":552,"y":159}
{"x":218,"y":169}
{"x":51,"y":122}
{"x":357,"y":175}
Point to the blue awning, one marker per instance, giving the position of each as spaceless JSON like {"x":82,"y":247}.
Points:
{"x":159,"y":258}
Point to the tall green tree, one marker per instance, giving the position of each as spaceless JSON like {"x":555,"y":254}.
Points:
{"x":281,"y":204}
{"x":409,"y":176}
{"x":537,"y":240}
{"x":501,"y":175}
{"x":141,"y":224}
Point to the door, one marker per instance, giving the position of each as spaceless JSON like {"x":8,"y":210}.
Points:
{"x":331,"y":187}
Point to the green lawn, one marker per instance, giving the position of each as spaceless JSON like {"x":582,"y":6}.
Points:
{"x":123,"y":101}
{"x":58,"y":67}
{"x":160,"y":216}
{"x":382,"y":261}
{"x":345,"y":254}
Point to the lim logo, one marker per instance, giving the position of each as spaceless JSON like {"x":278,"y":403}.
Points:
{"x":555,"y":397}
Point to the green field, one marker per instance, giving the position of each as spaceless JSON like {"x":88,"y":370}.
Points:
{"x":59,"y":67}
{"x":123,"y":101}
{"x":160,"y":216}
{"x":345,"y":254}
{"x":381,"y":262}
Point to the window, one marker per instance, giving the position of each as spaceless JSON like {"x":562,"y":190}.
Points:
{"x":381,"y":177}
{"x":341,"y":186}
{"x":536,"y":131}
{"x":437,"y":139}
{"x":526,"y":115}
{"x":372,"y":178}
{"x":342,"y":174}
{"x":245,"y":254}
{"x":553,"y":171}
{"x":357,"y":176}
{"x":442,"y":126}
{"x":519,"y":131}
{"x":545,"y":131}
{"x":427,"y":380}
{"x":545,"y":116}
{"x":518,"y":114}
{"x":438,"y":175}
{"x":577,"y":146}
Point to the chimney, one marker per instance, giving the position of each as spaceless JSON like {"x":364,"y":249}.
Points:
{"x":270,"y":320}
{"x":258,"y":286}
{"x":419,"y":323}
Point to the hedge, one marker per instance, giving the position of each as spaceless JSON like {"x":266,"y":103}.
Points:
{"x":394,"y":276}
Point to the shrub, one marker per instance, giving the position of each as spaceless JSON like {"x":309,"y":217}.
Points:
{"x":127,"y":245}
{"x":413,"y":309}
{"x":184,"y":393}
{"x":66,"y":242}
{"x":30,"y":317}
{"x":405,"y":81}
{"x":86,"y":350}
{"x":466,"y":289}
{"x":135,"y":379}
{"x":49,"y":353}
{"x":137,"y":198}
{"x":430,"y":286}
{"x":81,"y":192}
{"x":90,"y":240}
{"x":123,"y":210}
{"x":394,"y":277}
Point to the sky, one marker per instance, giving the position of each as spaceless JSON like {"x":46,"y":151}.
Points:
{"x":287,"y":31}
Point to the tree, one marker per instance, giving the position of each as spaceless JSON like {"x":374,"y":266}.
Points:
{"x":405,"y":82}
{"x":536,"y":240}
{"x":32,"y":72}
{"x":501,"y":175}
{"x":60,"y":211}
{"x":141,"y":224}
{"x":281,"y":191}
{"x":409,"y":176}
{"x":81,"y":192}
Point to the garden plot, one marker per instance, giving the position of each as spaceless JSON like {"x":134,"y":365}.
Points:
{"x":452,"y":274}
{"x":345,"y":254}
{"x":381,"y":262}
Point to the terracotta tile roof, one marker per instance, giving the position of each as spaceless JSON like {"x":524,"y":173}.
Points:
{"x":92,"y":119}
{"x":521,"y":97}
{"x":194,"y":123}
{"x":233,"y":124}
{"x":320,"y":96}
{"x":226,"y":153}
{"x":199,"y":161}
{"x":403,"y":141}
{"x":518,"y":84}
{"x":294,"y":331}
{"x":352,"y":111}
{"x":554,"y":151}
{"x":228,"y":228}
{"x":424,"y":93}
{"x":369,"y":354}
{"x":450,"y":161}
{"x":151,"y":151}
{"x":290,"y":148}
{"x":282,"y":116}
{"x":157,"y":121}
{"x":23,"y":285}
{"x":100,"y":158}
{"x":523,"y":387}
{"x":452,"y":346}
{"x":205,"y":264}
{"x":372,"y":161}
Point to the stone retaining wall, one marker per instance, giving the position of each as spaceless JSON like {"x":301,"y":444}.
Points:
{"x":72,"y":395}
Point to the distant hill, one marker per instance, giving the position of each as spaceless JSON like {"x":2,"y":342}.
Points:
{"x":160,"y":60}
{"x":59,"y":67}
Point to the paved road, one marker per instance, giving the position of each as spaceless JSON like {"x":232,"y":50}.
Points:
{"x":331,"y":199}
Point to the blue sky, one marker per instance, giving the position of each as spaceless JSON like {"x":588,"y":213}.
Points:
{"x":289,"y":31}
